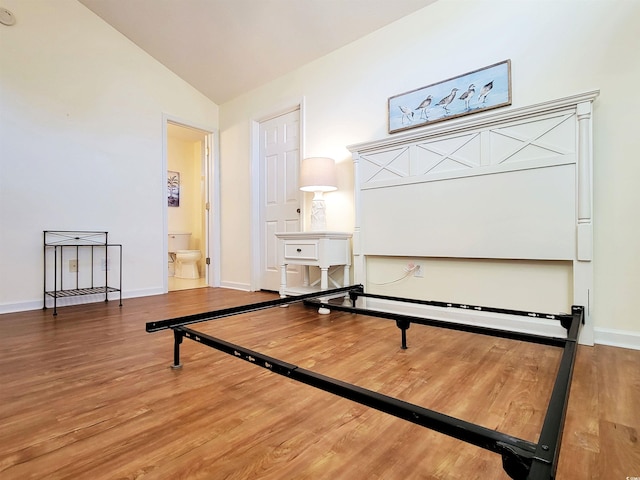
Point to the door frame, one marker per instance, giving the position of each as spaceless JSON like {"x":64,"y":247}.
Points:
{"x":212,"y":194}
{"x":255,"y":179}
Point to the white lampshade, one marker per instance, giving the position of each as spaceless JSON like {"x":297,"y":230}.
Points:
{"x":318,"y":174}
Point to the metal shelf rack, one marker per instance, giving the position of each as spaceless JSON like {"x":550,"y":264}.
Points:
{"x":87,"y":256}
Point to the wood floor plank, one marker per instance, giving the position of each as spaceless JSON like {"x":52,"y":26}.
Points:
{"x":89,"y":394}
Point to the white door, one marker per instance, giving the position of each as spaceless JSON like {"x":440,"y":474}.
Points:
{"x":279,"y":196}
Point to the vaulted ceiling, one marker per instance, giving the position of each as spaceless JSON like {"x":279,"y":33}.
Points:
{"x":225,"y":48}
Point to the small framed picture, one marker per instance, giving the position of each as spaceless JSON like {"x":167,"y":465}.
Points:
{"x":173,"y":188}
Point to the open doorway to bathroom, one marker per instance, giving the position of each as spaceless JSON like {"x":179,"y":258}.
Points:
{"x":187,"y":206}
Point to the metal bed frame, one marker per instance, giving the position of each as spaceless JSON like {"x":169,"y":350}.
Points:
{"x":521,"y":459}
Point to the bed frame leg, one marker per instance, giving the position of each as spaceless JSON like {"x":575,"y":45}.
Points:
{"x":177,"y":340}
{"x":516,"y":462}
{"x":403,"y":325}
{"x":353,"y":295}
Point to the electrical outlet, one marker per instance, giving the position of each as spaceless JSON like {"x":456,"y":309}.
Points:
{"x":417,"y":271}
{"x":105,"y":265}
{"x":73,"y":266}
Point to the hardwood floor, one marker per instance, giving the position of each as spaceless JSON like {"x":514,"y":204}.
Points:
{"x":90,"y":395}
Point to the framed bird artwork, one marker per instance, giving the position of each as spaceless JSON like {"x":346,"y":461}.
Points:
{"x":473,"y":92}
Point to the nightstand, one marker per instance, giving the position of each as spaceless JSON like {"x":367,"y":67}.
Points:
{"x":320,"y":249}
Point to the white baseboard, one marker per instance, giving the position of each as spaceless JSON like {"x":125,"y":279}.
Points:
{"x":147,"y":292}
{"x":77,"y":300}
{"x":617,"y":338}
{"x":603,"y":336}
{"x":245,"y":287}
{"x":21,"y":306}
{"x":62,"y":302}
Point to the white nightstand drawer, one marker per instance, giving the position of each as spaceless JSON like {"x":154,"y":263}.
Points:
{"x":308,"y":251}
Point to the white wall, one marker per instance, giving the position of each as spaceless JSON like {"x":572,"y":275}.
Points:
{"x":557,"y":49}
{"x":81,"y":125}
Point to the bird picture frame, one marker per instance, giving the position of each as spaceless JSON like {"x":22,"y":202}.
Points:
{"x":472,"y":92}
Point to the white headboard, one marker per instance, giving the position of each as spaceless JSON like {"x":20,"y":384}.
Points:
{"x":507,"y":184}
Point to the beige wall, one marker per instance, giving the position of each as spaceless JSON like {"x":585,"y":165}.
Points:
{"x":185,"y":157}
{"x":556,"y":48}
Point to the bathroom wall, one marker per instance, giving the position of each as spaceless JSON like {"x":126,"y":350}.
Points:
{"x":185,"y":156}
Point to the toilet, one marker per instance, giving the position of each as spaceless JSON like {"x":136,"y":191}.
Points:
{"x":185,"y":260}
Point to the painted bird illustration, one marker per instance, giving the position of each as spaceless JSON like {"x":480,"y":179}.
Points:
{"x":468,"y":95}
{"x":423,"y":107}
{"x":406,"y":113}
{"x":444,"y":103}
{"x":485,"y":91}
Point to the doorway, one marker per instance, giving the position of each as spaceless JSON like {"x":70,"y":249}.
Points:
{"x":187,"y":206}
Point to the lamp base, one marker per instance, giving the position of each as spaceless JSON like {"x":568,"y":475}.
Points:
{"x":318,"y":213}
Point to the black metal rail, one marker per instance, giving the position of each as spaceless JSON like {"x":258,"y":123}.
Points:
{"x":522,"y":460}
{"x":404,"y":321}
{"x":227,"y":312}
{"x":463,"y":306}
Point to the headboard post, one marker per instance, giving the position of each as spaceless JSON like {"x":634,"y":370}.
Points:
{"x":358,"y":258}
{"x":583,"y":265}
{"x":584,"y":162}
